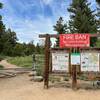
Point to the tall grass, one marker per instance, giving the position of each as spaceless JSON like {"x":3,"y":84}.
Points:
{"x":21,"y":61}
{"x":2,"y":57}
{"x":27,"y":61}
{"x":39,"y":64}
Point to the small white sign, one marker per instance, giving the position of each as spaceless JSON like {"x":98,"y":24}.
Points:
{"x":90,"y":61}
{"x":60,"y":61}
{"x":75,"y":59}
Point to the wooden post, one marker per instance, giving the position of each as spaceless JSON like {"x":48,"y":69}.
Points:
{"x":47,"y":61}
{"x":74,"y":75}
{"x":47,"y":56}
{"x":70,"y":67}
{"x":50,"y":62}
{"x":80,"y":62}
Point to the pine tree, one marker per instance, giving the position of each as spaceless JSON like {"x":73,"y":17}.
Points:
{"x":8,"y":40}
{"x":2,"y":29}
{"x":98,"y":14}
{"x":38,"y":49}
{"x":82,"y":19}
{"x":60,"y":28}
{"x":1,"y":5}
{"x":98,"y":1}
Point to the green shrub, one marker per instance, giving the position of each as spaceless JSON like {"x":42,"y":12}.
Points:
{"x":1,"y":57}
{"x":1,"y":66}
{"x":66,"y":79}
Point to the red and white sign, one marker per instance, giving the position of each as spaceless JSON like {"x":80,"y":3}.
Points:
{"x":74,"y":40}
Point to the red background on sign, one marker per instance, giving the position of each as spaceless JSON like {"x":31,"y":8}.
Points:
{"x":74,"y":40}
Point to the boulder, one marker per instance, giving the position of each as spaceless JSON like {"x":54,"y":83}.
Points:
{"x":32,"y":73}
{"x":37,"y":79}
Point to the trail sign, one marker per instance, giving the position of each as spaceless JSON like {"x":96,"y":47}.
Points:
{"x":75,"y":59}
{"x":74,"y":40}
{"x":90,"y":61}
{"x":60,"y":61}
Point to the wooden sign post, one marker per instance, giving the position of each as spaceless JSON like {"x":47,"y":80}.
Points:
{"x":74,"y":77}
{"x":66,"y":44}
{"x":74,"y":41}
{"x":74,"y":72}
{"x":47,"y":61}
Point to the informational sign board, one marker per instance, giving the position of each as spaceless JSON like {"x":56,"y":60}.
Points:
{"x":75,"y":59}
{"x":60,"y":61}
{"x":74,"y":40}
{"x":90,"y":61}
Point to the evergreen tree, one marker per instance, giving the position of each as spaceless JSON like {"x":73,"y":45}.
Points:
{"x":30,"y":48}
{"x":98,"y":14}
{"x":38,"y":49}
{"x":82,"y":19}
{"x":2,"y":29}
{"x":9,"y":42}
{"x":18,"y":50}
{"x":98,"y":1}
{"x":60,"y":28}
{"x":10,"y":37}
{"x":1,"y":5}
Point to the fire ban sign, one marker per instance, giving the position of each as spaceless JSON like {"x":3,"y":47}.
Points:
{"x":74,"y":40}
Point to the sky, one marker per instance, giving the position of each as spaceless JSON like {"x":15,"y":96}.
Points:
{"x":29,"y":18}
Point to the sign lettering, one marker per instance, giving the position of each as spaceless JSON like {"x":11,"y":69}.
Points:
{"x":74,"y":40}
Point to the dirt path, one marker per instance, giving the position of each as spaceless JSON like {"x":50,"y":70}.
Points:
{"x":7,"y":65}
{"x":20,"y":88}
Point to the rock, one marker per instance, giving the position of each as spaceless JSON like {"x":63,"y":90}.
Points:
{"x":38,"y":78}
{"x":65,"y":79}
{"x":32,"y":73}
{"x":96,"y":83}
